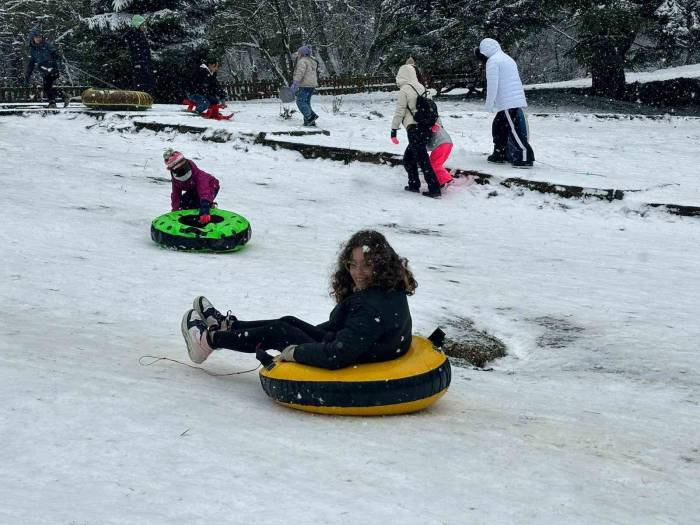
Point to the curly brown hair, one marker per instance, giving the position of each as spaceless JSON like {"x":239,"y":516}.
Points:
{"x":390,"y":272}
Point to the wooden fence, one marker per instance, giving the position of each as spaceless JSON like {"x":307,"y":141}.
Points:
{"x":34,"y":94}
{"x":343,"y":85}
{"x":249,"y":90}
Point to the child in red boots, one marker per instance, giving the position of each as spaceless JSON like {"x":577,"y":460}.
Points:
{"x":207,"y":96}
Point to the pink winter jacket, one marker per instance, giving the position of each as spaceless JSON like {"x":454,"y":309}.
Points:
{"x":205,"y":185}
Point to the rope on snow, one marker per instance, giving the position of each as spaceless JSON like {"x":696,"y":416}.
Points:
{"x":156,"y":359}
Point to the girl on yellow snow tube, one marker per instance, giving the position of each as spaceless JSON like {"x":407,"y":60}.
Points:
{"x":371,"y":321}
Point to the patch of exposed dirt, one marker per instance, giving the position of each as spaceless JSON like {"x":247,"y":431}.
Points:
{"x":559,"y":333}
{"x":465,"y":341}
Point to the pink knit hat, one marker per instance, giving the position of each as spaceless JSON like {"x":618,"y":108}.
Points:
{"x":172,"y":158}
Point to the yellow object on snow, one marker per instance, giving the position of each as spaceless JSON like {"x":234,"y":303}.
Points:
{"x":116,"y":99}
{"x":409,"y":383}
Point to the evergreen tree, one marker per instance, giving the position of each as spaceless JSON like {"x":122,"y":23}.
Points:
{"x":441,"y":34}
{"x":679,"y":30}
{"x":179,"y":33}
{"x":55,"y":18}
{"x":607,"y":31}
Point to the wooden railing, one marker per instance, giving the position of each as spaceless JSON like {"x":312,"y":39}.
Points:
{"x":32,"y":94}
{"x":342,"y":85}
{"x":249,"y":90}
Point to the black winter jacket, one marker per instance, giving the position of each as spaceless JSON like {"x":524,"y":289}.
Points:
{"x":370,"y":325}
{"x":44,"y":55}
{"x":207,"y":84}
{"x":139,"y":48}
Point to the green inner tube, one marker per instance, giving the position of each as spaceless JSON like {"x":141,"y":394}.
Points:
{"x":181,"y":230}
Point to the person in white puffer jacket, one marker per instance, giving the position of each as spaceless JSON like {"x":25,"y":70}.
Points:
{"x":505,"y":95}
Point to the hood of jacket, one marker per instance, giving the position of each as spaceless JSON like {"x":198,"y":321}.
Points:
{"x":206,"y":68}
{"x":34,"y":32}
{"x":406,"y":75}
{"x":489,"y":47}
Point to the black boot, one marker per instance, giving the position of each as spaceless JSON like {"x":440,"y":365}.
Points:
{"x":497,"y":157}
{"x":414,"y":189}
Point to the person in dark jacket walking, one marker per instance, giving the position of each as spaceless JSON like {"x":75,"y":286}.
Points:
{"x":45,"y":57}
{"x":140,"y":52}
{"x":371,"y":321}
{"x":192,"y":187}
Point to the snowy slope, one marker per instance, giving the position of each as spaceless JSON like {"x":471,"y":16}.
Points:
{"x":591,"y":419}
{"x":656,"y":159}
{"x":689,"y":71}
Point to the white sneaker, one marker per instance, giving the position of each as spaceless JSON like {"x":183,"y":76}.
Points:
{"x":211,"y":316}
{"x":194,"y":330}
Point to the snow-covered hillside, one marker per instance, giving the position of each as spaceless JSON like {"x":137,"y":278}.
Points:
{"x":591,"y":419}
{"x":655,"y":159}
{"x":689,"y":71}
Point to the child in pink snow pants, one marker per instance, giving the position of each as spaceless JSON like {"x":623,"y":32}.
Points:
{"x":440,"y":147}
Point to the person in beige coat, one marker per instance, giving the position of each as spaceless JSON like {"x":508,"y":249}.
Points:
{"x":416,"y":154}
{"x":305,"y":83}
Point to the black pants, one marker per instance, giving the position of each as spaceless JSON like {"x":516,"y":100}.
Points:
{"x":510,"y":125}
{"x":49,"y":91}
{"x":248,"y":336}
{"x":143,"y":78}
{"x":416,"y":155}
{"x":190,"y":200}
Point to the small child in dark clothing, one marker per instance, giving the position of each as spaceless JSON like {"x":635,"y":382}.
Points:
{"x":206,"y":96}
{"x":192,"y":187}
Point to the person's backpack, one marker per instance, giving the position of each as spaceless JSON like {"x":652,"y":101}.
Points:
{"x":426,"y":114}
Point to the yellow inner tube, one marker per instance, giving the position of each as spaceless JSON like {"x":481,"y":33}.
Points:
{"x":116,"y":99}
{"x":406,"y":384}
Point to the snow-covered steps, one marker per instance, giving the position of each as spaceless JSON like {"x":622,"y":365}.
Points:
{"x":315,"y":151}
{"x":220,"y":134}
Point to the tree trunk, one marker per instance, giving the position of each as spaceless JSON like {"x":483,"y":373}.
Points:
{"x":607,"y":62}
{"x":608,"y":75}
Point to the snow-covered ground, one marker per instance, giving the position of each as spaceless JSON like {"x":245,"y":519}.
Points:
{"x":591,"y":419}
{"x":689,"y":71}
{"x":657,"y":159}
